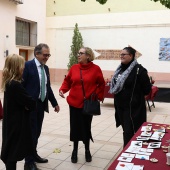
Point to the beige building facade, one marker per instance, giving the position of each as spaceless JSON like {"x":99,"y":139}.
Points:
{"x":23,"y":25}
{"x":108,"y":27}
{"x":113,"y":26}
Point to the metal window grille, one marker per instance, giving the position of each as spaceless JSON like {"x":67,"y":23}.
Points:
{"x":17,"y":1}
{"x":22,"y":33}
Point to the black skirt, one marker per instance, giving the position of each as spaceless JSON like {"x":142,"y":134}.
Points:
{"x":80,"y":125}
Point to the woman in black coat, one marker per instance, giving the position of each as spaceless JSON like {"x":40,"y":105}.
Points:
{"x":16,"y":134}
{"x":129,"y":85}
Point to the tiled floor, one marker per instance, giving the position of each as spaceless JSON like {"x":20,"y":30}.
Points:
{"x":107,"y":138}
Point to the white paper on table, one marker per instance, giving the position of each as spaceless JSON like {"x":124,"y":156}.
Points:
{"x":146,"y":128}
{"x":143,"y":157}
{"x":145,"y":133}
{"x":154,"y":145}
{"x":138,"y":167}
{"x":136,"y":144}
{"x":124,"y":166}
{"x":132,"y":149}
{"x":128,"y":155}
{"x":160,"y":130}
{"x":146,"y":150}
{"x":142,"y":138}
{"x":157,"y":135}
{"x":124,"y":159}
{"x":144,"y":153}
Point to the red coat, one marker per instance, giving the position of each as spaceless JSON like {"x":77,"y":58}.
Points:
{"x":92,"y":78}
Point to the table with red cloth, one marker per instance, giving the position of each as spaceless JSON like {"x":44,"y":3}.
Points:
{"x":157,"y":153}
{"x":106,"y":93}
{"x":1,"y":110}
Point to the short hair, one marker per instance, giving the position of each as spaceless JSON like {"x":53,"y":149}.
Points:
{"x":38,"y":48}
{"x":14,"y":64}
{"x":131,"y":51}
{"x":90,"y":53}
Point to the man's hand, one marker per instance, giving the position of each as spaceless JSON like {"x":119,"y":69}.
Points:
{"x":57,"y":108}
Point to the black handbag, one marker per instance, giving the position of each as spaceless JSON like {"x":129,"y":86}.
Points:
{"x":91,"y":106}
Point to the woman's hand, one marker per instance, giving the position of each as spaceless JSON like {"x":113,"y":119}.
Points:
{"x":61,"y":94}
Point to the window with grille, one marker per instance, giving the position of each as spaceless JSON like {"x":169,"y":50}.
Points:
{"x":26,"y":33}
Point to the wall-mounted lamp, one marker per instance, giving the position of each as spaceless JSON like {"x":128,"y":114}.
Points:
{"x":6,"y":52}
{"x":109,"y":9}
{"x":54,"y":2}
{"x":54,"y":13}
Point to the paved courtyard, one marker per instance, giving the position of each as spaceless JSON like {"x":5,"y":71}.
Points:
{"x":107,"y":138}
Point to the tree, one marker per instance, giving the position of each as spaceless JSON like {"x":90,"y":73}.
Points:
{"x":100,"y":1}
{"x":77,"y":43}
{"x":166,"y":3}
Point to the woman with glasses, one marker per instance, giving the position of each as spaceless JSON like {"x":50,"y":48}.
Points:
{"x":16,"y":131}
{"x":129,"y":85}
{"x":80,"y":125}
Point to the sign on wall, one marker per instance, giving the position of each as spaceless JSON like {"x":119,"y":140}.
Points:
{"x":164,"y":51}
{"x":112,"y":54}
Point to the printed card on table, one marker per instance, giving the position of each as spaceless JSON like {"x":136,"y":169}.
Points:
{"x":145,"y":133}
{"x":124,"y":166}
{"x":136,"y":144}
{"x":160,"y":130}
{"x":146,"y":150}
{"x":146,"y":128}
{"x":138,"y":167}
{"x":132,"y":149}
{"x":128,"y":155}
{"x":157,"y":136}
{"x":124,"y":159}
{"x":154,"y":145}
{"x":143,"y":157}
{"x":144,"y":153}
{"x":142,"y":138}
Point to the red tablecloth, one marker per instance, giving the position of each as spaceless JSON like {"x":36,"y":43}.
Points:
{"x":106,"y":94}
{"x":1,"y":110}
{"x":158,"y":153}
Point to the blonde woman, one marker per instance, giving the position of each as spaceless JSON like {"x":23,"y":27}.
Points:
{"x":80,"y":125}
{"x":16,"y":135}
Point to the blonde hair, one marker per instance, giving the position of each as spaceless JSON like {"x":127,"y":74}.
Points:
{"x":13,"y":69}
{"x":89,"y":52}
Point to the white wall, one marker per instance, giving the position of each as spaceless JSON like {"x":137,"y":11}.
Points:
{"x":33,"y":10}
{"x":141,"y":30}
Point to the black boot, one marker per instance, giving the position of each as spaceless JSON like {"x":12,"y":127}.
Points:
{"x":74,"y":157}
{"x":88,"y":156}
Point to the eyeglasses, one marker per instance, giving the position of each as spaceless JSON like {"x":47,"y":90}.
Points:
{"x":80,"y":53}
{"x":46,"y":55}
{"x":122,"y":55}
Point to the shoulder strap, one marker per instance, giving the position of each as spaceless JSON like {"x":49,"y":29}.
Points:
{"x":82,"y":84}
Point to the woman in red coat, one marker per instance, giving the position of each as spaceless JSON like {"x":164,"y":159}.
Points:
{"x":80,"y":125}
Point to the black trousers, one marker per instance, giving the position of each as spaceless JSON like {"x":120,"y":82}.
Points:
{"x":37,"y":118}
{"x":10,"y":165}
{"x":127,"y":123}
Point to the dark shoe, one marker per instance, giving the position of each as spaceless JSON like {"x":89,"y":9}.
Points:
{"x":31,"y":166}
{"x":38,"y":159}
{"x":88,"y":156}
{"x":74,"y":157}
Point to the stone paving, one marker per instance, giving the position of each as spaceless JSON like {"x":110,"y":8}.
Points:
{"x":107,"y":138}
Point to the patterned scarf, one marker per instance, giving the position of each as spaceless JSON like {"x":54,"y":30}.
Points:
{"x":117,"y":87}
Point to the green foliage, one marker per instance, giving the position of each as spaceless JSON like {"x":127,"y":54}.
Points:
{"x":77,"y":43}
{"x":164,"y":2}
{"x":100,"y":1}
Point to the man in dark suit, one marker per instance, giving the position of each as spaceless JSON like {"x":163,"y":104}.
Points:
{"x":36,"y":80}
